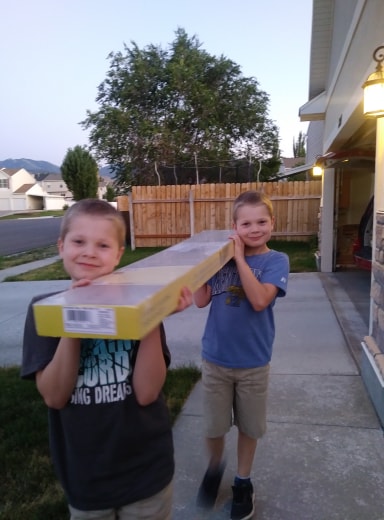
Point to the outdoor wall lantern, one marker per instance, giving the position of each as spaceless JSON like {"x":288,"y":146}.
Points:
{"x":374,"y":107}
{"x":318,"y":167}
{"x":374,"y":87}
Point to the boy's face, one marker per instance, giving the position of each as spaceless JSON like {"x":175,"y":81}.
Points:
{"x":90,"y":248}
{"x":254,"y":225}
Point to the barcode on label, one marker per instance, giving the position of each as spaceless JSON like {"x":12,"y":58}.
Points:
{"x":78,"y":315}
{"x":95,"y":320}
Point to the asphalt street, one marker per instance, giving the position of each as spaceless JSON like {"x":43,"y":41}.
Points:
{"x":24,"y":234}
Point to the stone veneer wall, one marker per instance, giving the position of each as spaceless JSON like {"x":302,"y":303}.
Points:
{"x":375,"y":342}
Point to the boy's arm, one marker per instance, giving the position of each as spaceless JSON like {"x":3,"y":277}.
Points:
{"x":58,"y":379}
{"x":259,"y":295}
{"x":150,"y":366}
{"x":202,"y":296}
{"x":150,"y":369}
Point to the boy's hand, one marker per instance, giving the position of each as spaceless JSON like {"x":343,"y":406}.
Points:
{"x":185,"y":299}
{"x":239,"y":246}
{"x":81,"y":283}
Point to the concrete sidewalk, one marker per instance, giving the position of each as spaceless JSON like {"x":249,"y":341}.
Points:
{"x":24,"y":268}
{"x":323,"y":455}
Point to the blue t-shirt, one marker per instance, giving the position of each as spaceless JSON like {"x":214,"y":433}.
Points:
{"x":237,"y":336}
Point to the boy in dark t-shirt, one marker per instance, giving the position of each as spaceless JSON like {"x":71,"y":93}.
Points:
{"x":109,"y":427}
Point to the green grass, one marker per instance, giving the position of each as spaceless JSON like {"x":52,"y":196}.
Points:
{"x":28,"y":487}
{"x":301,"y":256}
{"x":34,"y":214}
{"x":28,"y":256}
{"x":56,"y":271}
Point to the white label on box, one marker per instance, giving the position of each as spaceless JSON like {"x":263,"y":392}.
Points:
{"x":97,"y":320}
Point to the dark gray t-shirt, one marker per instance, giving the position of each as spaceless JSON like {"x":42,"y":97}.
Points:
{"x":107,"y":450}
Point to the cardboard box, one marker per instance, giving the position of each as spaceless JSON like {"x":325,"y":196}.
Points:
{"x":132,"y":300}
{"x":346,"y":236}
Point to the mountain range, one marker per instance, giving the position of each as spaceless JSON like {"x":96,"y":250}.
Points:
{"x":42,"y":166}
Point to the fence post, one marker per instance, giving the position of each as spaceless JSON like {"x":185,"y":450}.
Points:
{"x":131,"y":223}
{"x":191,"y":213}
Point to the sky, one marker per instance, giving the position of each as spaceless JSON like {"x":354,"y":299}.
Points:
{"x":54,"y":55}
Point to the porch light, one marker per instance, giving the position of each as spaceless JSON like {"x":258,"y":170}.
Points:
{"x":374,"y":87}
{"x":374,"y":107}
{"x":317,"y":171}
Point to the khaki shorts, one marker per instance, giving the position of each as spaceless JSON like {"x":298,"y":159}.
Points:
{"x":158,"y":506}
{"x":235,"y":396}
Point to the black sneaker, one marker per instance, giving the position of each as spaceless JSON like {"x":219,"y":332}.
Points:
{"x":209,"y":488}
{"x":243,"y":503}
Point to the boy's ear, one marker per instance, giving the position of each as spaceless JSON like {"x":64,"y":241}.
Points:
{"x":120,"y":254}
{"x":60,"y":246}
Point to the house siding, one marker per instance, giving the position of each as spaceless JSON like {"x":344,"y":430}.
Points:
{"x":345,"y":84}
{"x":353,"y":30}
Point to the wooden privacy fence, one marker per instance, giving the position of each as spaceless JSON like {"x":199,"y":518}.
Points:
{"x":165,"y":215}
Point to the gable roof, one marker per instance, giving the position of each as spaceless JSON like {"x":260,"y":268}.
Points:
{"x":10,"y":171}
{"x":23,"y":189}
{"x":53,"y":177}
{"x":291,"y":162}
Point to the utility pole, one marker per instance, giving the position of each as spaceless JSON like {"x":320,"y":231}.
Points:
{"x":259,"y":170}
{"x":157,"y":173}
{"x":197,"y":169}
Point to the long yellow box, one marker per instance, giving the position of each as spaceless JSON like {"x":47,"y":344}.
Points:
{"x":131,"y":301}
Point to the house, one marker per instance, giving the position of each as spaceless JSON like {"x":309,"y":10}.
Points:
{"x":53,"y":184}
{"x":289,"y":165}
{"x":339,"y":137}
{"x":104,"y":182}
{"x":19,"y":191}
{"x":342,"y":141}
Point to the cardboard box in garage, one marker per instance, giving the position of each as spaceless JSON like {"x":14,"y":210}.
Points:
{"x":131,"y":301}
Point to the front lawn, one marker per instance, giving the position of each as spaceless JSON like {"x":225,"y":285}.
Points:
{"x":28,"y":487}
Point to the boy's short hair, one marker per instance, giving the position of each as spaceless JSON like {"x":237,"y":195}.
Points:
{"x":94,"y":207}
{"x":251,"y":198}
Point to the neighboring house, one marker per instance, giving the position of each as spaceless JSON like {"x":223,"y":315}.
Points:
{"x":18,"y":191}
{"x":104,"y":182}
{"x":343,"y":141}
{"x":289,"y":165}
{"x":53,"y":184}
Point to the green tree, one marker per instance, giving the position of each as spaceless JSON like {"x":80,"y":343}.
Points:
{"x":80,"y":173}
{"x":110,"y":194}
{"x":165,"y":110}
{"x":299,"y":149}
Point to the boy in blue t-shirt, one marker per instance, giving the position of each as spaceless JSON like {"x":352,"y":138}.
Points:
{"x":237,"y":347}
